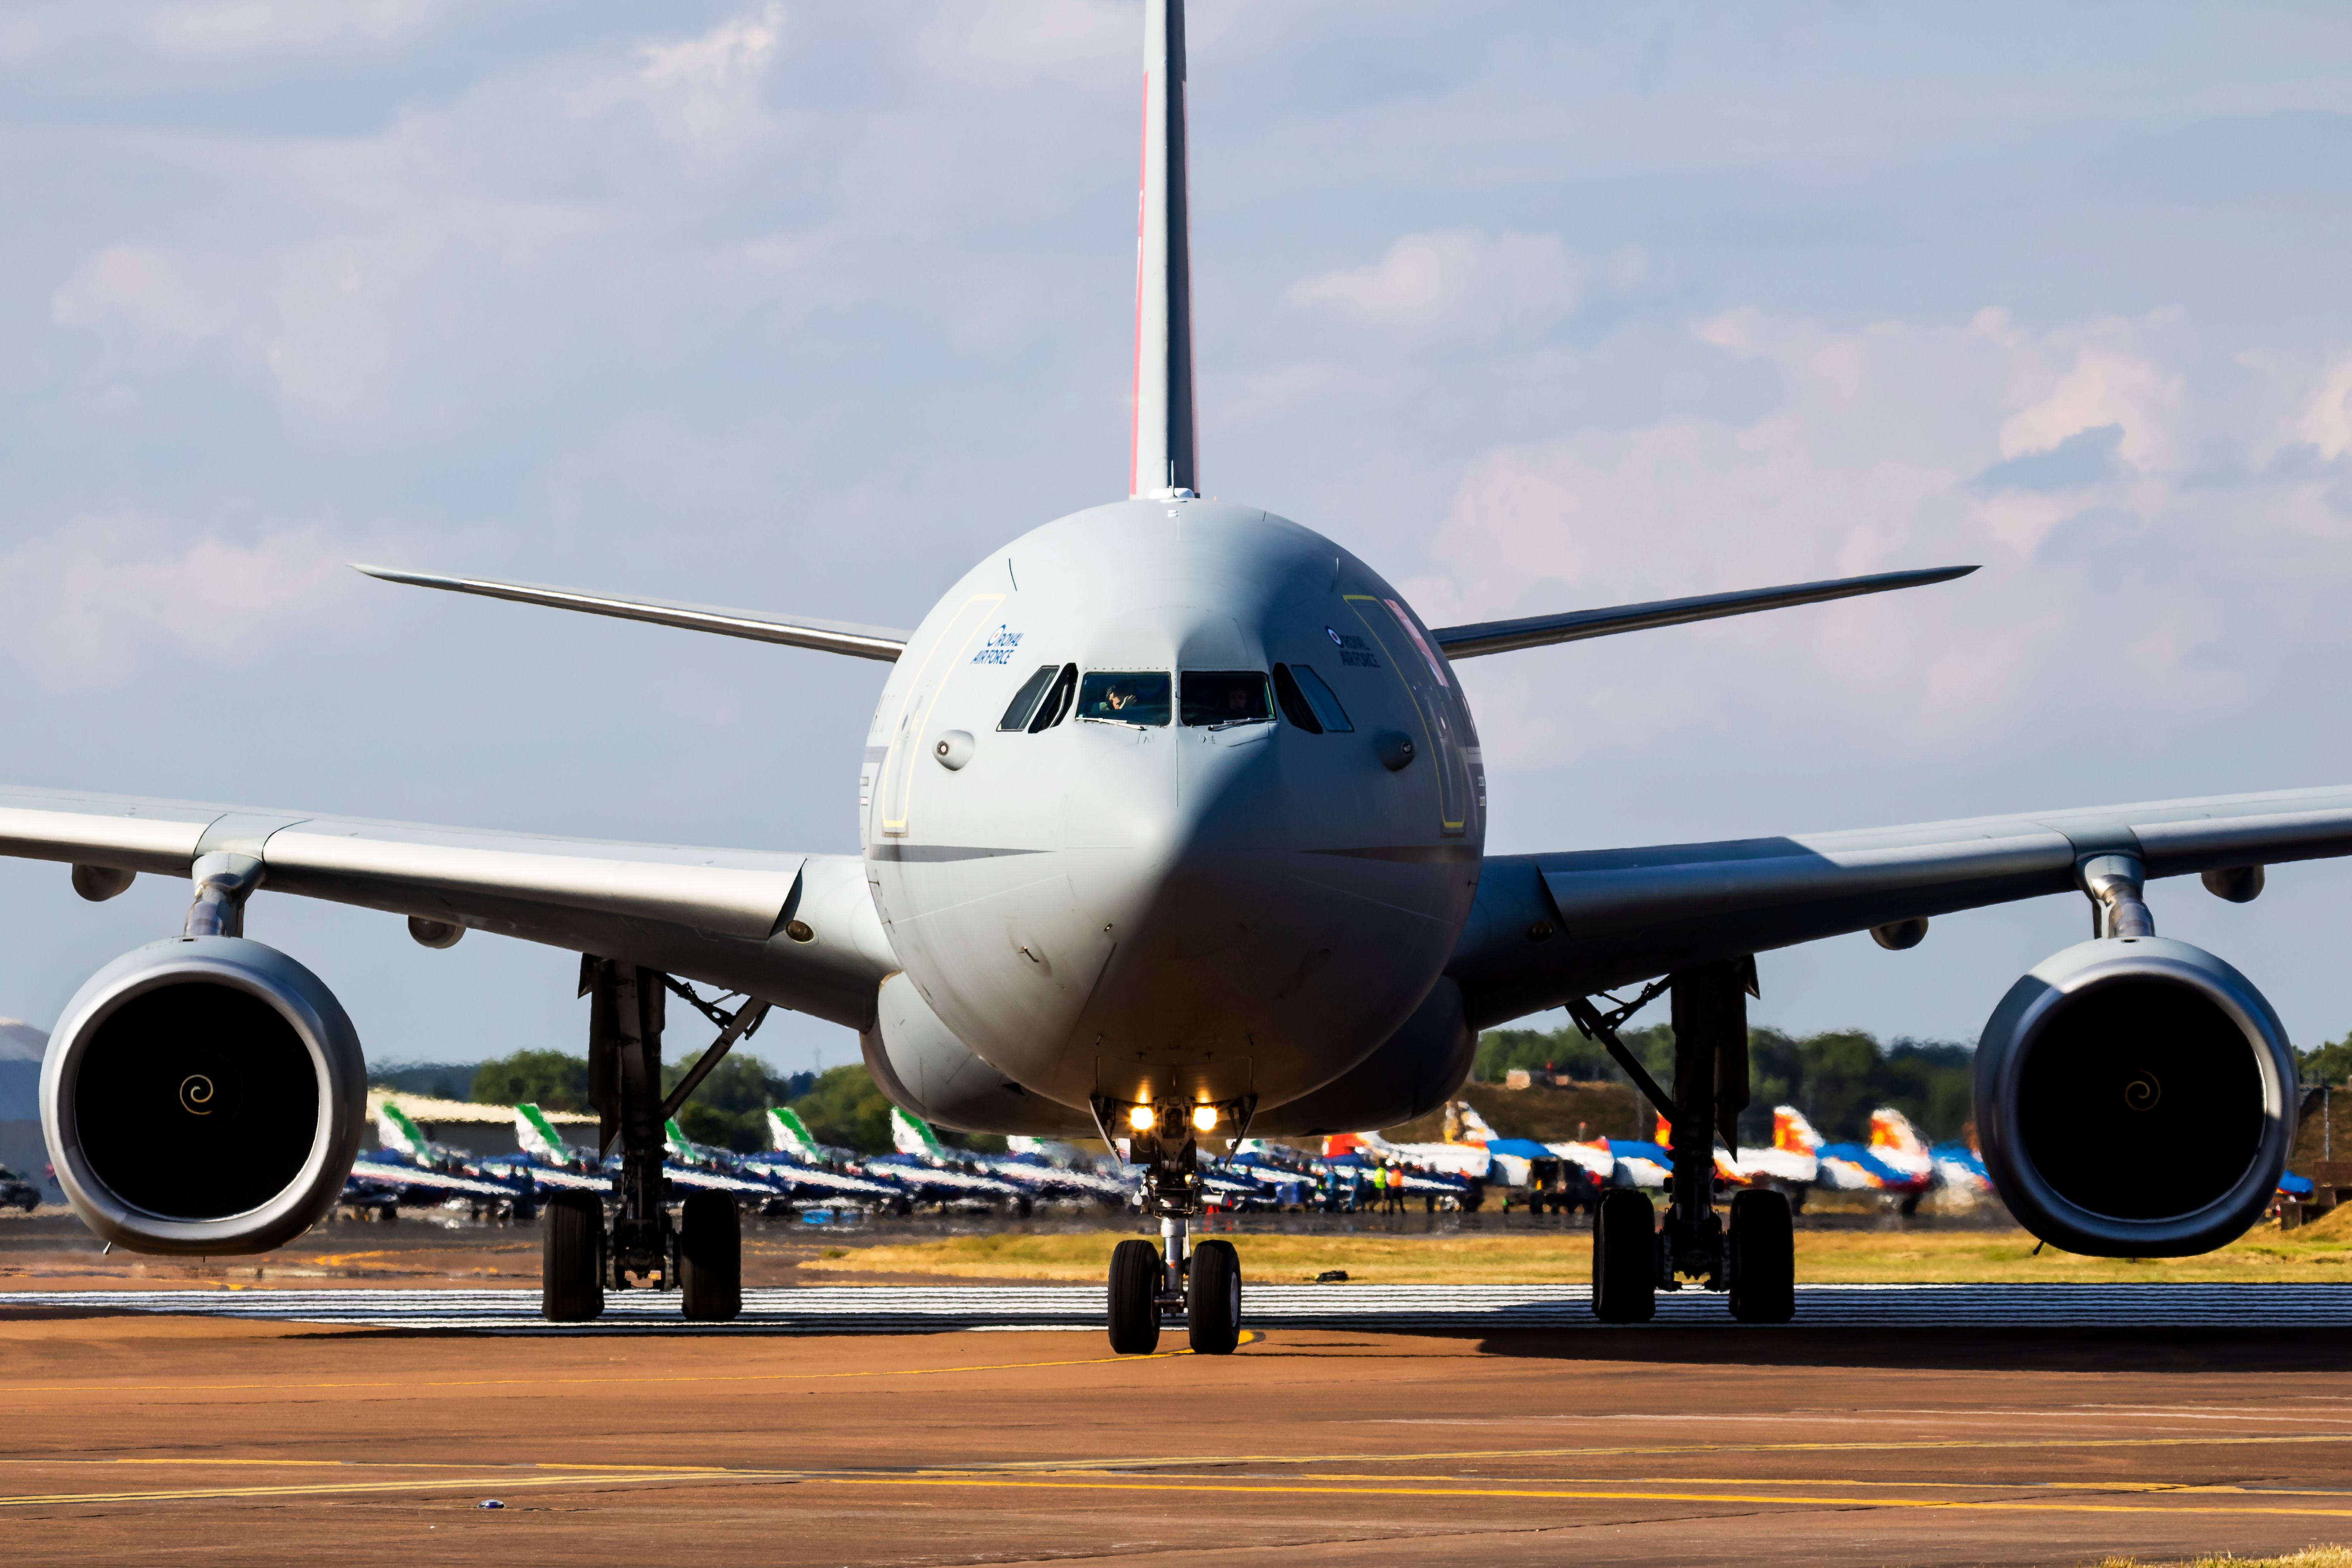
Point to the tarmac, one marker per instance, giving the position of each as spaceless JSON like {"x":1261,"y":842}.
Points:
{"x":1358,"y":1425}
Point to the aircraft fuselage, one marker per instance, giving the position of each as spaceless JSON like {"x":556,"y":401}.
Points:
{"x":1172,"y":890}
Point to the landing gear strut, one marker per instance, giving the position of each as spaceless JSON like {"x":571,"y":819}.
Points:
{"x":700,"y":1258}
{"x":1754,"y":1260}
{"x":1202,"y":1285}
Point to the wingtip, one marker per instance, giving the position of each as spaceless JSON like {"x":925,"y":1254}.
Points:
{"x":393,"y":574}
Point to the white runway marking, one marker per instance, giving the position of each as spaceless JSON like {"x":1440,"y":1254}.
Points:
{"x":1472,"y":1308}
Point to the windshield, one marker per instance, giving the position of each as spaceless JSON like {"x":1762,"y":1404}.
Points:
{"x":1125,"y":696}
{"x":1225,"y":697}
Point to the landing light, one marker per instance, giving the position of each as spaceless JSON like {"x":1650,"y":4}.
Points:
{"x":1205,"y":1117}
{"x":1141,"y":1117}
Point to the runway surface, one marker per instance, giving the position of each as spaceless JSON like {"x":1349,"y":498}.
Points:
{"x":1461,"y":1309}
{"x":287,"y":1427}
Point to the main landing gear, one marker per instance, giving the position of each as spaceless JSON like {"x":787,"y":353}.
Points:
{"x":1752,"y":1259}
{"x":701,"y":1254}
{"x":1150,"y":1285}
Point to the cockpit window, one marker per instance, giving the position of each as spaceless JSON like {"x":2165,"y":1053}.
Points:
{"x":1294,"y":701}
{"x":1024,"y":706}
{"x":1056,"y":705}
{"x":1319,"y":698}
{"x":1217,"y":697}
{"x":1125,"y":696}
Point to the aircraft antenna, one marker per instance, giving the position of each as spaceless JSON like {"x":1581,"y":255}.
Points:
{"x":1162,"y":448}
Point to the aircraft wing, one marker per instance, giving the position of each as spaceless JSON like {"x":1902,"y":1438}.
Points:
{"x":1547,"y":928}
{"x":720,"y":916}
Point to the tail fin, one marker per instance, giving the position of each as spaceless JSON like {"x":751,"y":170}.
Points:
{"x":1792,"y":1132}
{"x":1475,"y":1129}
{"x":1163,"y":450}
{"x":535,"y":1135}
{"x":394,"y":1130}
{"x":788,"y":1134}
{"x":1891,"y":1130}
{"x":675,"y":1140}
{"x":913,"y":1135}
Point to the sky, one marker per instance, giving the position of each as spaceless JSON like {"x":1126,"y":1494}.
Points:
{"x":804,"y":308}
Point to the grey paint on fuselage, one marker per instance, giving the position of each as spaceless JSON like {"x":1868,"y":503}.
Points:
{"x":1192,"y":912}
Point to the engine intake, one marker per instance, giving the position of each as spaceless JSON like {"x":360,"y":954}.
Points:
{"x":2135,"y":1099}
{"x":202,"y":1096}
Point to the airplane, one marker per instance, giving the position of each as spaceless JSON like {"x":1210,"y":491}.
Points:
{"x":1172,"y":824}
{"x":410,"y":1168}
{"x":1032,"y":1172}
{"x":1895,"y":1162}
{"x":1791,"y":1163}
{"x":553,"y":1161}
{"x":809,"y":1169}
{"x":936,"y":1174}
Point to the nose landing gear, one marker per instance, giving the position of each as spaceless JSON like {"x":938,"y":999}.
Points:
{"x":1149,"y":1285}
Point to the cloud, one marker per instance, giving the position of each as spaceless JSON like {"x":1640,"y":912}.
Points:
{"x":86,"y":605}
{"x":1096,"y":43}
{"x":1460,"y":284}
{"x":2082,"y":458}
{"x":1874,"y":457}
{"x":705,"y":91}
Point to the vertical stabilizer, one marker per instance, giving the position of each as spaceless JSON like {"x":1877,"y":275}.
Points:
{"x":1792,"y":1134}
{"x":537,"y":1136}
{"x":913,"y":1135}
{"x":395,"y":1131}
{"x":1163,"y":450}
{"x":788,"y":1134}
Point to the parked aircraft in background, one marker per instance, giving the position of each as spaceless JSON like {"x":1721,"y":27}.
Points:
{"x":1158,"y":739}
{"x":928,"y":1166}
{"x":412,"y":1171}
{"x":1894,"y":1162}
{"x":1791,"y":1163}
{"x":1031,"y":1173}
{"x":554,"y":1163}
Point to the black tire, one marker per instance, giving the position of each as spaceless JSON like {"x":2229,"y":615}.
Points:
{"x":1212,"y":1299}
{"x":1625,"y":1259}
{"x":710,"y":1258}
{"x":571,"y":1258}
{"x":1763,"y":1248}
{"x":1135,"y":1271}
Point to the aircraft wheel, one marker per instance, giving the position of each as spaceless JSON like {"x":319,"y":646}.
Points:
{"x":1135,"y":1270}
{"x":1763,"y":1247}
{"x":1625,"y":1259}
{"x":1212,"y":1299}
{"x":570,"y":1271}
{"x":710,"y":1258}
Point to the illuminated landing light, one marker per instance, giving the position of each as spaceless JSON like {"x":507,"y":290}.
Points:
{"x":1205,"y":1117}
{"x":1141,"y":1117}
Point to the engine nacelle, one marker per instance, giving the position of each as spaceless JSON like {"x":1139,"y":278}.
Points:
{"x":202,"y":1096}
{"x":924,"y":1068}
{"x":2136,"y":1098}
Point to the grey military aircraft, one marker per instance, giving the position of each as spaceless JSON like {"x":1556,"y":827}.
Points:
{"x":1171,"y":818}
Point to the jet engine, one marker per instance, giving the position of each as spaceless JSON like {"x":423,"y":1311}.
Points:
{"x":2136,"y":1098}
{"x":203,"y":1095}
